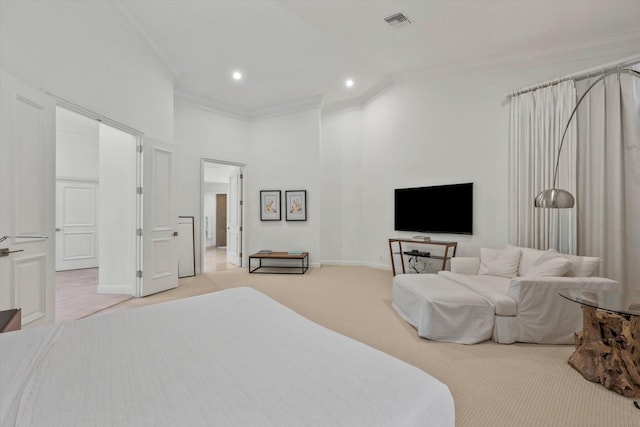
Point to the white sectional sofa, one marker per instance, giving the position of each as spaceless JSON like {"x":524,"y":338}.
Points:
{"x":518,"y":288}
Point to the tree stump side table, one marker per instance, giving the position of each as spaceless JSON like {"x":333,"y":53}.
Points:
{"x":608,"y":347}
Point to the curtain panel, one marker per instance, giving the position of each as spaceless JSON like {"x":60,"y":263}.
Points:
{"x":537,"y":120}
{"x":608,"y":192}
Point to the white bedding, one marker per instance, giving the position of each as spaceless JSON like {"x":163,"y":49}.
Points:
{"x":230,"y":358}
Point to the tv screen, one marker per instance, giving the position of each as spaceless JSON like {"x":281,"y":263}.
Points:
{"x":437,"y":209}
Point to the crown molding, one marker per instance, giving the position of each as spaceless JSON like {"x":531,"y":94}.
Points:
{"x":359,"y":101}
{"x":294,"y":106}
{"x":210,"y":105}
{"x":219,"y":107}
{"x":123,"y":12}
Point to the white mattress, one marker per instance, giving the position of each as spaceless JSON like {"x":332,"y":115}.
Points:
{"x":230,"y":358}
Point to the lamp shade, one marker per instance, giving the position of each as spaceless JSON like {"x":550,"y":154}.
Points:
{"x":554,"y":198}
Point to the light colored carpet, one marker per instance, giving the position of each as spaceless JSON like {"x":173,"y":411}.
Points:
{"x":492,"y":384}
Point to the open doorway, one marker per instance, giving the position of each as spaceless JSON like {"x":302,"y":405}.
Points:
{"x":96,"y":215}
{"x":221,"y":231}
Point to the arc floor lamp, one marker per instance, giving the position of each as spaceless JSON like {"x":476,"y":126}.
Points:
{"x":557,"y":198}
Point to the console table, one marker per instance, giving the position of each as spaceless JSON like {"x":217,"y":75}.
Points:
{"x":608,"y":347}
{"x":302,"y":257}
{"x":395,"y":248}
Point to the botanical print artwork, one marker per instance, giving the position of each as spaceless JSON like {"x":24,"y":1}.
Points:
{"x":270,"y":205}
{"x":296,"y":205}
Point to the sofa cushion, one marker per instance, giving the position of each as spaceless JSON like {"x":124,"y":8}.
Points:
{"x":550,"y":264}
{"x":493,"y":288}
{"x":582,"y":266}
{"x":527,"y":259}
{"x":499,"y":262}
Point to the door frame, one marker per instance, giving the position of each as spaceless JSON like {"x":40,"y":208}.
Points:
{"x":139,"y":136}
{"x":201,"y":230}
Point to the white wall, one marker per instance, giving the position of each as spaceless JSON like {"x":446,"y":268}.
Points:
{"x":341,"y":178}
{"x":83,"y":52}
{"x":285,"y":155}
{"x":117,"y":205}
{"x":204,"y":134}
{"x":77,"y":151}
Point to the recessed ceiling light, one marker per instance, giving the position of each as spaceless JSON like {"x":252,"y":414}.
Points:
{"x":237,"y":75}
{"x":349,"y":83}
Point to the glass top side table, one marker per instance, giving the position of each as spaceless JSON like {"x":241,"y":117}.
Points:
{"x":608,"y":347}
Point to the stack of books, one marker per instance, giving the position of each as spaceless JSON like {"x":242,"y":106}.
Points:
{"x":295,"y":252}
{"x":264,"y":251}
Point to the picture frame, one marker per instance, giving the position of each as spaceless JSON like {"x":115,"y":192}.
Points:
{"x":296,"y":205}
{"x":270,"y":205}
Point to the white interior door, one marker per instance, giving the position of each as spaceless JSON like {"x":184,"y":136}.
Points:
{"x":27,"y":200}
{"x":160,"y":221}
{"x":76,"y":224}
{"x":234,"y":219}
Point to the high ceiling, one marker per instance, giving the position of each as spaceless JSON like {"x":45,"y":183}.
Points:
{"x":292,"y":51}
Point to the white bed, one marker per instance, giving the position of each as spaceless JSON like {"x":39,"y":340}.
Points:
{"x":230,"y":358}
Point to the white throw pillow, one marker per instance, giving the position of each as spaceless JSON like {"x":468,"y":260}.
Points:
{"x":499,"y":262}
{"x":583,"y":266}
{"x":527,"y":259}
{"x":550,"y":264}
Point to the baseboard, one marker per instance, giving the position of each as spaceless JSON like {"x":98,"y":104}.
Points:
{"x":358,"y":263}
{"x":378,"y":266}
{"x":341,"y":262}
{"x":114,"y":289}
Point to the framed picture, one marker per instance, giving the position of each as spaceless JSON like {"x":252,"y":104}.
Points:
{"x":270,"y":205}
{"x":296,"y":204}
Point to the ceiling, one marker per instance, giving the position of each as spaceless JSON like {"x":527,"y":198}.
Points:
{"x":289,"y":51}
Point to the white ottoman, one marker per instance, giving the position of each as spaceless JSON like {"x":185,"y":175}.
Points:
{"x":441,"y":309}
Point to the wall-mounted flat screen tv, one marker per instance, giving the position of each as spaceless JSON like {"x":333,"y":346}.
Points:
{"x":437,"y":209}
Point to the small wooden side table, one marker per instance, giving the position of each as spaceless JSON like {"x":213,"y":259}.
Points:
{"x":10,"y":320}
{"x":303,"y":257}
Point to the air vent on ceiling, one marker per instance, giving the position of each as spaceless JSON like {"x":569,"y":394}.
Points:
{"x":398,"y":20}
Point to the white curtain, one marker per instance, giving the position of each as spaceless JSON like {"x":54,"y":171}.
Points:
{"x":537,"y":120}
{"x":608,"y":196}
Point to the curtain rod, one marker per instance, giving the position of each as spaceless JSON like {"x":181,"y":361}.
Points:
{"x":591,"y":72}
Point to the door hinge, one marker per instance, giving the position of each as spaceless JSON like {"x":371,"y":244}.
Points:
{"x":139,"y":232}
{"x":139,"y":190}
{"x":241,"y":176}
{"x":139,"y":274}
{"x":240,"y":228}
{"x":139,"y":149}
{"x":241,"y":202}
{"x":240,"y":255}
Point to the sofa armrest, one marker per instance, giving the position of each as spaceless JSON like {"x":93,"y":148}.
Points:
{"x":465,"y":265}
{"x":540,"y":288}
{"x":543,"y":315}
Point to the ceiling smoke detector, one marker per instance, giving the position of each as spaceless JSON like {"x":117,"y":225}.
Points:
{"x":398,"y":20}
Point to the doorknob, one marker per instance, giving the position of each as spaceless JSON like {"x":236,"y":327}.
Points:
{"x":175,"y":234}
{"x":58,"y":229}
{"x":6,"y":251}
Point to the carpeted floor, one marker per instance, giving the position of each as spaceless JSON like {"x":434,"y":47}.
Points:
{"x":492,"y":384}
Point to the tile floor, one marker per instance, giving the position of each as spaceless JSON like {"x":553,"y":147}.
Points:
{"x":77,"y":296}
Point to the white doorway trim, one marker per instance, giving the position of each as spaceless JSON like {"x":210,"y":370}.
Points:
{"x":138,"y":135}
{"x":201,"y":229}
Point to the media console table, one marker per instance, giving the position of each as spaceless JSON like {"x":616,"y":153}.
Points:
{"x":303,"y":267}
{"x":399,"y":251}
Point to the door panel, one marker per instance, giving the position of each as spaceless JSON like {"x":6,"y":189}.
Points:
{"x":160,"y":254}
{"x":221,"y":220}
{"x":77,"y":229}
{"x":234,"y":217}
{"x":27,"y":208}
